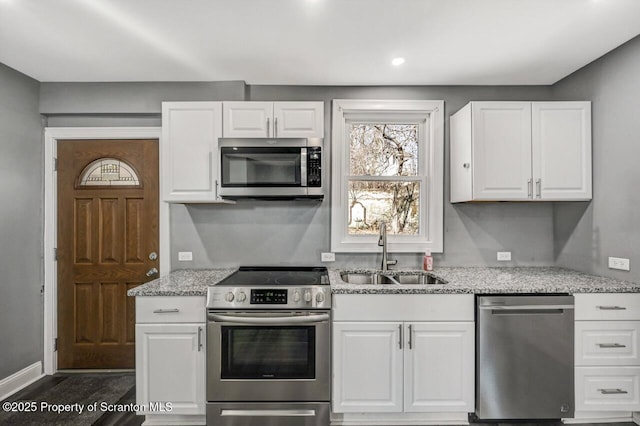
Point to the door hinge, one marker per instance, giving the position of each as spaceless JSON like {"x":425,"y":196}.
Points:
{"x":55,"y":344}
{"x":55,"y":164}
{"x":55,"y":254}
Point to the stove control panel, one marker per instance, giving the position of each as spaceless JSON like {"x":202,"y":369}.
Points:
{"x":282,"y":297}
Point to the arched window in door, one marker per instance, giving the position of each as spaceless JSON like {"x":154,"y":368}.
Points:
{"x":108,"y":172}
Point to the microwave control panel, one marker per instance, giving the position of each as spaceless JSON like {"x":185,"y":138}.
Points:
{"x":314,"y":166}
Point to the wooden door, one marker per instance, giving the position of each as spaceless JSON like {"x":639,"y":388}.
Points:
{"x":367,"y":367}
{"x":107,"y":243}
{"x":502,"y":150}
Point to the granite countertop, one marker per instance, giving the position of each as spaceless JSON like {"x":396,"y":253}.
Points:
{"x":472,"y":280}
{"x":183,"y":282}
{"x":492,"y":280}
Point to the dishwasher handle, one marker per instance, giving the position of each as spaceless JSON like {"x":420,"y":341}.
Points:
{"x":526,"y":307}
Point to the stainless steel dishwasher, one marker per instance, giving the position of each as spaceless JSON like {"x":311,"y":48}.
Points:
{"x":524,"y":357}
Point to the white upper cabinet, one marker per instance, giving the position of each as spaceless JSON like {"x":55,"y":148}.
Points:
{"x":561,"y":141}
{"x":273,"y":119}
{"x":519,"y":151}
{"x":189,"y":150}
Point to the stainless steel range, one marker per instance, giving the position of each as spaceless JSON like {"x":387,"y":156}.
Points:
{"x":268,"y":356}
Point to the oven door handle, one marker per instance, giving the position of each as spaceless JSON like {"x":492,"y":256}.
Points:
{"x":301,"y":319}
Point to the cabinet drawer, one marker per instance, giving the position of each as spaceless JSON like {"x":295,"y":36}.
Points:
{"x":168,"y":309}
{"x":607,"y":306}
{"x":607,"y":342}
{"x":607,"y":388}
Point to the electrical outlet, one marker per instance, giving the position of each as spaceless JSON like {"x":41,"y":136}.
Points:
{"x":327,"y":257}
{"x":504,"y":256}
{"x":185,"y":256}
{"x":619,"y":263}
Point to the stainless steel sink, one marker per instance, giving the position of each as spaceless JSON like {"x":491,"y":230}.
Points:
{"x":368,"y":278}
{"x":418,"y":278}
{"x":389,"y":278}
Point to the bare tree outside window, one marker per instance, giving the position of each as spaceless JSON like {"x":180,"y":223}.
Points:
{"x":383,"y":182}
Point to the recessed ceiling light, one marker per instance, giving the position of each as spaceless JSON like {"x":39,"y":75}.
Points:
{"x":397,"y":61}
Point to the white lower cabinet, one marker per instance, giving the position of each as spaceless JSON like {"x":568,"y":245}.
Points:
{"x":170,"y":359}
{"x":367,"y":367}
{"x":421,"y":364}
{"x":439,"y":367}
{"x":607,"y":373}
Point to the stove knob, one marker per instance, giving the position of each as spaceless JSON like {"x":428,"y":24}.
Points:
{"x":320,"y":297}
{"x":229,"y":297}
{"x":296,"y":296}
{"x":307,"y":296}
{"x":242,"y":296}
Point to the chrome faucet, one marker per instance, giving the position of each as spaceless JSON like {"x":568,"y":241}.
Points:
{"x":382,"y":241}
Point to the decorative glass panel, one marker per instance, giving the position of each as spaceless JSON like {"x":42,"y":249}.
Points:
{"x":374,"y":201}
{"x":383,"y":149}
{"x":109,"y":172}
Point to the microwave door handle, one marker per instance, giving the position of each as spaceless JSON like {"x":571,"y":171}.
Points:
{"x":303,"y":167}
{"x":306,"y":319}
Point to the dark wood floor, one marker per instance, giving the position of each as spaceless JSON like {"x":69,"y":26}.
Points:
{"x":52,"y":389}
{"x":49,"y":385}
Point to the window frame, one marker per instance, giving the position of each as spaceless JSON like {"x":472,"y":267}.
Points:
{"x":431,"y":172}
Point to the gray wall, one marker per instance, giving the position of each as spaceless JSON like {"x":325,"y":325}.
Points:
{"x":273,"y":233}
{"x":587,"y":234}
{"x":21,"y":164}
{"x":285,"y":232}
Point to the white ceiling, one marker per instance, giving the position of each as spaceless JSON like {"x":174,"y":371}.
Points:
{"x":312,"y":42}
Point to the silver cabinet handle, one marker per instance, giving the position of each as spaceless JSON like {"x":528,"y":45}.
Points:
{"x":612,"y":391}
{"x":199,"y":339}
{"x":400,"y":338}
{"x":151,"y":272}
{"x":611,"y":308}
{"x":611,"y":345}
{"x":166,"y":311}
{"x":268,"y":126}
{"x":410,"y":335}
{"x":538,"y":188}
{"x":275,"y":127}
{"x":530,"y":188}
{"x":268,"y":413}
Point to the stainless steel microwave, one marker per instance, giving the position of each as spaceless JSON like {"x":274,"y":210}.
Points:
{"x":271,"y":168}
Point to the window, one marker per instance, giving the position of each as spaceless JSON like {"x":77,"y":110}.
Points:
{"x":387,"y":167}
{"x":108,"y":172}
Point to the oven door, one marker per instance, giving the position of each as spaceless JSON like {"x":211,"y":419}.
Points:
{"x":268,"y":356}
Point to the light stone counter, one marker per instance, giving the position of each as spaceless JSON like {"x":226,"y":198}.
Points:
{"x":475,"y":280}
{"x":183,"y":282}
{"x":494,"y":280}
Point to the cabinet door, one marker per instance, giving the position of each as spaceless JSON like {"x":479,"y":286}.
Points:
{"x":190,"y":132}
{"x":367,"y":367}
{"x":439,"y":367}
{"x":298,"y":119}
{"x":501,"y":150}
{"x":170,"y":366}
{"x":561,"y":138}
{"x":248,"y":119}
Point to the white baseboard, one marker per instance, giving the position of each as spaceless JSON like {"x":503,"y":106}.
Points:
{"x":397,"y":419}
{"x":636,"y":418}
{"x":19,"y":380}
